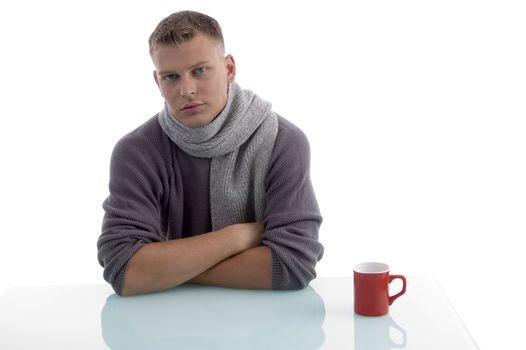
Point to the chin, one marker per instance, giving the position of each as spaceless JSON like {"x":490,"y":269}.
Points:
{"x":196,"y":123}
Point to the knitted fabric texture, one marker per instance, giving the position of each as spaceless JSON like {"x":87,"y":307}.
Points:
{"x":240,"y":142}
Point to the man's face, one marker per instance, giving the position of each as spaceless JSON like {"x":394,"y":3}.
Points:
{"x":193,"y":78}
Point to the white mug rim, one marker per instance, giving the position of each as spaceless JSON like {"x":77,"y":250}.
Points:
{"x":371,"y":267}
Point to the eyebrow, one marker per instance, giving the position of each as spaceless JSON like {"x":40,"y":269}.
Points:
{"x":167,"y":72}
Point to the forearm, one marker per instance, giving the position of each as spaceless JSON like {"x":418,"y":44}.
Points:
{"x":164,"y":265}
{"x":250,"y":269}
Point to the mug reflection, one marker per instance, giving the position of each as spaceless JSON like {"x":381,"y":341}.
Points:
{"x":203,"y":317}
{"x":377,"y":333}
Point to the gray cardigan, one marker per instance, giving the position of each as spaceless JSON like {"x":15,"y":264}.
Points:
{"x":159,"y":193}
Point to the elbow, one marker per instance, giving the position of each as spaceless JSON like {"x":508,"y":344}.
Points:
{"x":141,"y":276}
{"x":126,"y":291}
{"x":135,"y":282}
{"x":117,"y":277}
{"x":295,"y":286}
{"x":114,"y":275}
{"x":298,"y":282}
{"x":130,"y":286}
{"x":138,"y":282}
{"x":116,"y":261}
{"x":303,"y":280}
{"x":294,"y":269}
{"x":294,"y":276}
{"x":120,"y":280}
{"x":116,"y":280}
{"x":114,"y":256}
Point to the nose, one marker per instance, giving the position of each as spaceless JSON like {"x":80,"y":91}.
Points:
{"x":188,"y":87}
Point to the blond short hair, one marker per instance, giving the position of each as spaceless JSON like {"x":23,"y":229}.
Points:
{"x":182,"y":26}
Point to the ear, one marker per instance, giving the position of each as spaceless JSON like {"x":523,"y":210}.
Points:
{"x":230,"y":68}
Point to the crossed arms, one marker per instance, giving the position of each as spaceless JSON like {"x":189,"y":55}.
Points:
{"x":143,"y":247}
{"x":230,"y":257}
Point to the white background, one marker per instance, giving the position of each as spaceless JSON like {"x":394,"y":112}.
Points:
{"x":415,"y":111}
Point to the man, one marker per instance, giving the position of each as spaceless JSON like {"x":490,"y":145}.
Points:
{"x":215,"y":189}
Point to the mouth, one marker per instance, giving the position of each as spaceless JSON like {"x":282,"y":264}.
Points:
{"x":192,"y":106}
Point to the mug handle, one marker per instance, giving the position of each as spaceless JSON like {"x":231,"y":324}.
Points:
{"x":391,"y":279}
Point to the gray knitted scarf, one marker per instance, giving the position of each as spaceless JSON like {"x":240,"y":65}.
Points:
{"x":240,"y":142}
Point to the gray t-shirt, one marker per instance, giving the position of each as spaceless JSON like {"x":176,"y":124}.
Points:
{"x":158,"y":193}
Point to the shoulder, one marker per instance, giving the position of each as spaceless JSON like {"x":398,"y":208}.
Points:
{"x":146,"y":136}
{"x":288,"y":132}
{"x":149,"y":132}
{"x":291,"y":153}
{"x":146,"y":142}
{"x":291,"y":142}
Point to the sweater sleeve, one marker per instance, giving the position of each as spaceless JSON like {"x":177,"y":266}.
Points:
{"x":292,"y":215}
{"x":133,"y":207}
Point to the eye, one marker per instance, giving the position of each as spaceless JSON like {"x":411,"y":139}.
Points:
{"x":170,"y":77}
{"x":200,"y":70}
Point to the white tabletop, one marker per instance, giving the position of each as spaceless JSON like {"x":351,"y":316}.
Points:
{"x":199,"y":317}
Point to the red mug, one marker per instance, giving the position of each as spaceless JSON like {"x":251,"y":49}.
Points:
{"x":371,"y":288}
